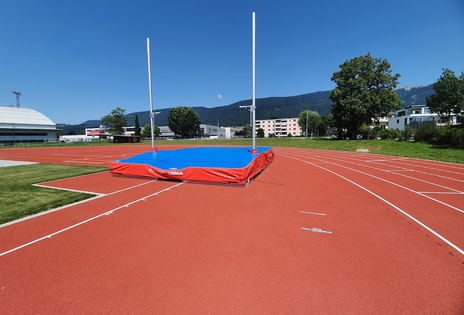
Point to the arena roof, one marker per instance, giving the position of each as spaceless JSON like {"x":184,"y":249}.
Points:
{"x":24,"y":117}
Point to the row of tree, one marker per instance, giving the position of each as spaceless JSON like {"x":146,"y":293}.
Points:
{"x":364,"y":92}
{"x":181,"y":120}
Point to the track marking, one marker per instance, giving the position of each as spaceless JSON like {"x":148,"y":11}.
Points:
{"x":401,"y":160}
{"x":106,"y":213}
{"x":387,"y":181}
{"x":317,"y":230}
{"x":315,"y":213}
{"x":398,"y":170}
{"x":403,"y":170}
{"x":84,"y":162}
{"x":441,"y":192}
{"x":387,"y":202}
{"x":72,"y":190}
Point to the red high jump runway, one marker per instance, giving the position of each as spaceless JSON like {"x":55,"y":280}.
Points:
{"x":318,"y":232}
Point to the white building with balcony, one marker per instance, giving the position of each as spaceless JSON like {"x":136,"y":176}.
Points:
{"x":417,"y":114}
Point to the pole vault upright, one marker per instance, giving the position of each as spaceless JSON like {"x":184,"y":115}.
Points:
{"x":152,"y":115}
{"x":253,"y":102}
{"x":252,"y":107}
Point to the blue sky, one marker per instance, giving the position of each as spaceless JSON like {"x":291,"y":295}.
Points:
{"x":78,"y":60}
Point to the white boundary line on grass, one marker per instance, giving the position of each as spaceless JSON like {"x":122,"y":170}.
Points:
{"x":90,"y":219}
{"x":384,"y":200}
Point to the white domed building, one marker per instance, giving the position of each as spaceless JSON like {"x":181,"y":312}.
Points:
{"x":24,"y":125}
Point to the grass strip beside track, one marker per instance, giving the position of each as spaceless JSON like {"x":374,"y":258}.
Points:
{"x":19,"y":198}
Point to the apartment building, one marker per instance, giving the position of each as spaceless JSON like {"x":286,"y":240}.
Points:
{"x":418,"y":114}
{"x":279,"y":127}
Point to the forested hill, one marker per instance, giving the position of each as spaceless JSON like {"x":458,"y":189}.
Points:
{"x":270,"y":107}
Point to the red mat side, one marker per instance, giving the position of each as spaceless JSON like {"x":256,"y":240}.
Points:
{"x":240,"y":176}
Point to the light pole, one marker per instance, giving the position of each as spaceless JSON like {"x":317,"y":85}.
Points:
{"x":17,"y":98}
{"x":306,"y":123}
{"x":154,"y":121}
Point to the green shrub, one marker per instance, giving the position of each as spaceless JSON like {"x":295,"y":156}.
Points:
{"x":406,"y":134}
{"x":373,"y":133}
{"x":444,"y":135}
{"x":425,"y":133}
{"x":389,"y":134}
{"x":384,"y":134}
{"x":449,"y":136}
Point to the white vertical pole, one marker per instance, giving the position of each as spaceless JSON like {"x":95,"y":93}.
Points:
{"x":253,"y":104}
{"x":152,"y":116}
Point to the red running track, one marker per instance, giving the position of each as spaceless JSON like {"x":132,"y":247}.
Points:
{"x":151,"y":247}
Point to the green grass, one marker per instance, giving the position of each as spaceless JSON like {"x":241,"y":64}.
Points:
{"x":18,"y":198}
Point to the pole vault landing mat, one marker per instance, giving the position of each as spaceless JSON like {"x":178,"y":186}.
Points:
{"x":224,"y":165}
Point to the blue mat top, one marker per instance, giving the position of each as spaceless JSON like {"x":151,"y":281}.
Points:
{"x":211,"y":157}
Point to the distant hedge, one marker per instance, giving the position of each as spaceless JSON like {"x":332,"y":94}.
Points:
{"x":445,"y":135}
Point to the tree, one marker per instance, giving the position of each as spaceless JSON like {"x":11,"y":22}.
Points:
{"x":323,"y":126}
{"x":260,"y":133}
{"x":247,"y":131}
{"x":116,"y":120}
{"x":365,"y":91}
{"x":157,"y":131}
{"x":449,"y":94}
{"x":137,"y":126}
{"x":146,"y":132}
{"x":309,"y":121}
{"x":184,"y":121}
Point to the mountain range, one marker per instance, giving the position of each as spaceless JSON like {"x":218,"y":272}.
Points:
{"x":267,"y":108}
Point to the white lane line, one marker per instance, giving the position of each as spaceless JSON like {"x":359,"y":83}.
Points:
{"x":91,"y":192}
{"x":430,"y":183}
{"x":386,"y":201}
{"x":400,"y":168}
{"x":418,"y":166}
{"x":316,"y":213}
{"x":90,"y":219}
{"x":441,"y":192}
{"x":393,"y":171}
{"x":444,"y":166}
{"x":68,"y":189}
{"x":392,"y":183}
{"x":84,"y":162}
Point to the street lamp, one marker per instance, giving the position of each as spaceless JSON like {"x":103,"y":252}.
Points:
{"x":154,"y":116}
{"x":307,"y":123}
{"x":154,"y":122}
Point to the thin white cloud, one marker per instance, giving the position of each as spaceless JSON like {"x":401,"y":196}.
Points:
{"x":219,"y":96}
